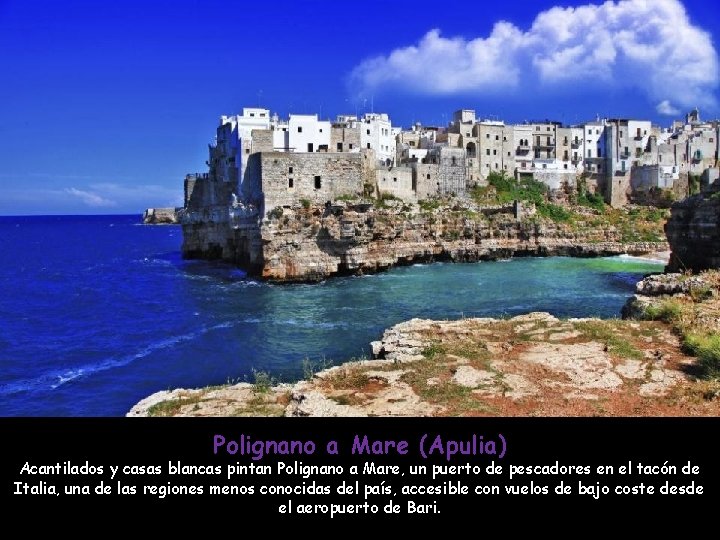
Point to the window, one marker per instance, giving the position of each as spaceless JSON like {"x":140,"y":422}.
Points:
{"x":504,"y":138}
{"x":544,"y":166}
{"x":508,"y":154}
{"x":310,"y":147}
{"x":368,"y":131}
{"x":428,"y":177}
{"x":350,"y":146}
{"x":549,"y":141}
{"x":494,"y":152}
{"x":320,"y":130}
{"x":711,"y":139}
{"x":467,"y":134}
{"x":262,"y":114}
{"x":487,"y":152}
{"x":247,"y":150}
{"x":597,"y":132}
{"x":565,"y":165}
{"x":589,"y":153}
{"x":412,"y":143}
{"x":290,"y":183}
{"x":454,"y":161}
{"x":290,"y":170}
{"x":548,"y":129}
{"x":252,"y":114}
{"x":394,"y":179}
{"x":537,"y":128}
{"x":339,"y":147}
{"x":621,"y":132}
{"x":497,"y":137}
{"x":368,"y":145}
{"x":318,"y":182}
{"x":487,"y":135}
{"x":299,"y":129}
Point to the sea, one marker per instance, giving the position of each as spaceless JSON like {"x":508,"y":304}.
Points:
{"x":98,"y":312}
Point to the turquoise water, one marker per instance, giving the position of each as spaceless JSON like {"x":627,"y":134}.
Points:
{"x":98,"y":312}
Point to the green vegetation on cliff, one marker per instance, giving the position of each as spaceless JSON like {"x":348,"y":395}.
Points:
{"x":635,"y":224}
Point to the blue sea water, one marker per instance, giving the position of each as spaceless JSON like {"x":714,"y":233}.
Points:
{"x":97,"y":312}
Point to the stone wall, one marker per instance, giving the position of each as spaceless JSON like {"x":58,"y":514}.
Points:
{"x":262,"y":140}
{"x":451,"y":171}
{"x":204,"y":190}
{"x":344,"y":139}
{"x":557,"y":179}
{"x":397,"y":181}
{"x":427,"y":183}
{"x":288,"y":178}
{"x":618,"y":186}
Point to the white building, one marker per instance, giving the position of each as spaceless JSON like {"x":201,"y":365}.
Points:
{"x":594,"y":146}
{"x":376,"y":133}
{"x":234,"y":139}
{"x":308,"y":134}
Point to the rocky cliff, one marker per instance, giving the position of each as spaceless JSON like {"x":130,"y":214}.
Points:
{"x":311,"y":243}
{"x":693,"y":232}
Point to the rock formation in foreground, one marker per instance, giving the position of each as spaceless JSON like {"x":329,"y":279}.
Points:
{"x":530,"y":365}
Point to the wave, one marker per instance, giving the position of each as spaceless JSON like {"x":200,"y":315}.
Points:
{"x":309,"y":324}
{"x":55,"y":379}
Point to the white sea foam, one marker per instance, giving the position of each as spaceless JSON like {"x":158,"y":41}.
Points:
{"x":55,"y":379}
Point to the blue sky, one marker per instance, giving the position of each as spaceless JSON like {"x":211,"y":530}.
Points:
{"x":104,"y":106}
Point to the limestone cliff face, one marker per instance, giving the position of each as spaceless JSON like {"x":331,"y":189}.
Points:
{"x":313,"y":243}
{"x":693,"y":232}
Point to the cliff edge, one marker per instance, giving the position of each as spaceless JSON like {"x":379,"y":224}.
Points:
{"x":312,"y":242}
{"x":693,"y":232}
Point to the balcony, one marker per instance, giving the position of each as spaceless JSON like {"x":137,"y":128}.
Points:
{"x":544,"y":143}
{"x":575,"y":144}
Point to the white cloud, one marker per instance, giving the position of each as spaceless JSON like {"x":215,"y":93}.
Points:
{"x":90,"y":198}
{"x":649,"y":45}
{"x":143,"y":195}
{"x":666,"y":108}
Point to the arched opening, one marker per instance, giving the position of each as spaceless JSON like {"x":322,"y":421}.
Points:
{"x":471,"y":150}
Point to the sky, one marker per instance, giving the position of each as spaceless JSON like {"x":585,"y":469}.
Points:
{"x":105,"y":106}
